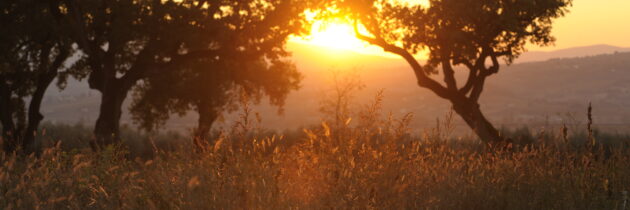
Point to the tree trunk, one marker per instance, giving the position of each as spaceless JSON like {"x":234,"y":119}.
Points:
{"x":34,"y":115}
{"x":47,"y":73}
{"x":470,"y":112}
{"x":9,"y":136}
{"x":106,"y":129}
{"x":207,"y":116}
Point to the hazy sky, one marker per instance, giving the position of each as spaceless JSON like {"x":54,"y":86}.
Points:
{"x":592,"y":22}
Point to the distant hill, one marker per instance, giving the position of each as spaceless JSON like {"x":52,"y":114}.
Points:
{"x":301,"y":50}
{"x":570,"y":53}
{"x":534,"y":93}
{"x":530,"y":92}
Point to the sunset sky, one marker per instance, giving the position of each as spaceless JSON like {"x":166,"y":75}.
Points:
{"x":589,"y":22}
{"x":592,"y":22}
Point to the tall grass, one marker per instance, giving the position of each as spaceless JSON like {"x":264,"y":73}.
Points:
{"x":358,"y":158}
{"x":368,"y":162}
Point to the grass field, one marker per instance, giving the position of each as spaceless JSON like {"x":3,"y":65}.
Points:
{"x":367,"y":162}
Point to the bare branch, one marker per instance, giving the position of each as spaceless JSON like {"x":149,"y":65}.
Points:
{"x":480,"y":78}
{"x":423,"y":79}
{"x":61,"y":57}
{"x":449,"y":74}
{"x":474,"y":71}
{"x":478,"y":87}
{"x":495,"y":65}
{"x":472,"y":76}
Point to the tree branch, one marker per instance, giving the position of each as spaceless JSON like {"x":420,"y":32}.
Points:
{"x":423,"y":79}
{"x":95,"y":55}
{"x":478,"y":87}
{"x":449,"y":74}
{"x":486,"y":71}
{"x":474,"y":72}
{"x":61,"y":57}
{"x":472,"y":76}
{"x":477,"y":83}
{"x":495,"y":65}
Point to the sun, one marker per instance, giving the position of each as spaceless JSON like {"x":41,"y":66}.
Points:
{"x":339,"y":36}
{"x":336,"y":35}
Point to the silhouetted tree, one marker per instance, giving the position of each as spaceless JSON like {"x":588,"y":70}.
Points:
{"x":473,"y":34}
{"x":126,"y":41}
{"x":123,"y":41}
{"x":33,"y":51}
{"x":210,"y":89}
{"x":257,"y":66}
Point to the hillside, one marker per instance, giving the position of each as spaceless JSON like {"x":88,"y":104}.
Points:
{"x":533,"y":93}
{"x":570,"y":53}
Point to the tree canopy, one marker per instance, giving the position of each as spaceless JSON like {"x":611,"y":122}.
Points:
{"x":156,"y":41}
{"x":255,"y":63}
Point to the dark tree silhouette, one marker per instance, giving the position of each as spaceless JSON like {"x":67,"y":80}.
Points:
{"x":33,"y":51}
{"x":210,"y":89}
{"x":256,"y":64}
{"x":473,"y":34}
{"x":126,"y":41}
{"x":122,"y":42}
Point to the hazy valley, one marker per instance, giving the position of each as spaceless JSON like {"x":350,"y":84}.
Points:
{"x":541,"y":88}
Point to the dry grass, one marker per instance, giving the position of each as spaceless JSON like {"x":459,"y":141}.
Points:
{"x":370,"y":162}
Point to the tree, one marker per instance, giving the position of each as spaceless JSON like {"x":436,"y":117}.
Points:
{"x":122,"y":41}
{"x":472,"y":34}
{"x":258,"y":67}
{"x":210,"y":89}
{"x":33,"y":52}
{"x":125,"y":41}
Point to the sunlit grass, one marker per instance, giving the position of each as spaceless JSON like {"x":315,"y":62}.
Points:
{"x":368,"y":162}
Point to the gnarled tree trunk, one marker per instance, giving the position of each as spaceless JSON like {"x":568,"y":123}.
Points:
{"x":34,"y":115}
{"x":9,"y":136}
{"x":46,"y":76}
{"x":474,"y":118}
{"x":106,"y":129}
{"x":113,"y":93}
{"x":464,"y":99}
{"x":207,"y":116}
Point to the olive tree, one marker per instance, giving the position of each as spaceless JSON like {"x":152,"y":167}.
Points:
{"x":472,"y":34}
{"x":34,"y":50}
{"x":127,"y":41}
{"x":257,"y":65}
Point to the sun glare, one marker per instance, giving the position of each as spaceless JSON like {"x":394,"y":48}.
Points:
{"x":335,"y":35}
{"x":338,"y":36}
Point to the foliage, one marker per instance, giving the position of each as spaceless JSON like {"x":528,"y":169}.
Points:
{"x":185,"y":54}
{"x":258,"y":67}
{"x":211,"y":88}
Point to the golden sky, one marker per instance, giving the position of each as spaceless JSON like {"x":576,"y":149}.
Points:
{"x":589,"y":22}
{"x":592,"y":22}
